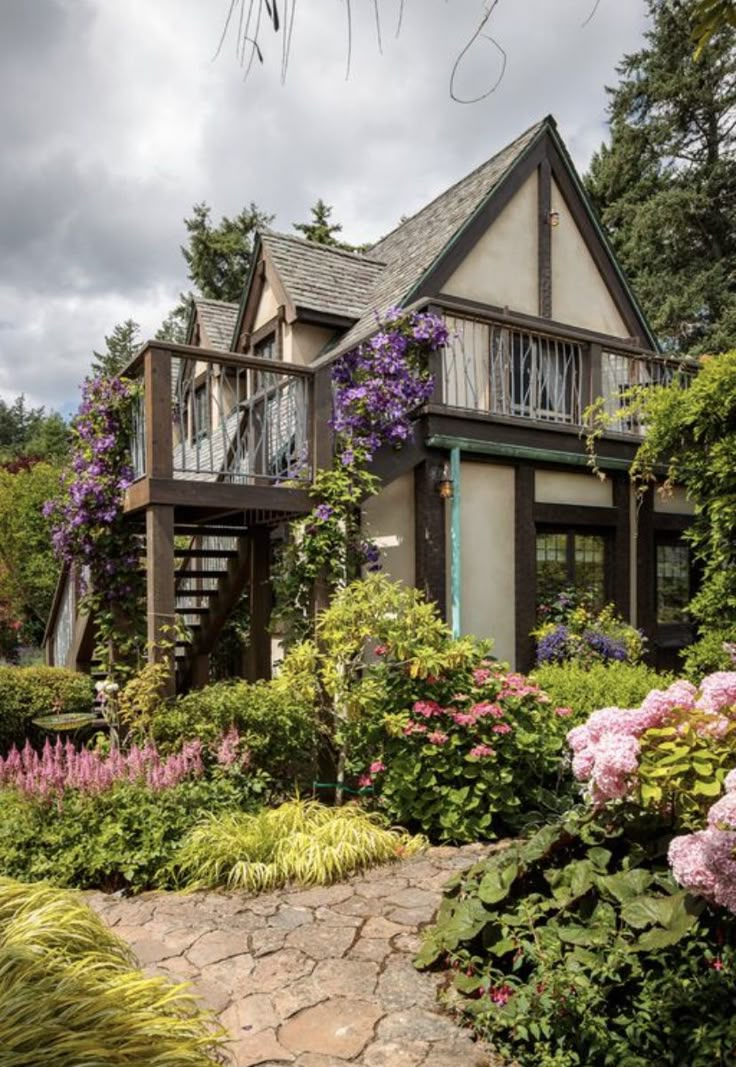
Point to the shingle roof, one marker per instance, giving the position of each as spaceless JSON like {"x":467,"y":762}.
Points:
{"x":320,"y":277}
{"x":411,"y":249}
{"x":218,"y":319}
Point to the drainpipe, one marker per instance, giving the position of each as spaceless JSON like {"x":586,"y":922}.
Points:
{"x":455,"y":554}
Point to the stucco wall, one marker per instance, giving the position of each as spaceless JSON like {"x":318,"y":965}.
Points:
{"x":267,"y":307}
{"x":487,"y":550}
{"x":302,"y":343}
{"x":389,"y":519}
{"x":579,"y":294}
{"x":673,"y":503}
{"x":567,"y":487}
{"x":502,"y":267}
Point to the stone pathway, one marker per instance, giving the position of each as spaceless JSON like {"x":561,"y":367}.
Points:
{"x":317,"y":977}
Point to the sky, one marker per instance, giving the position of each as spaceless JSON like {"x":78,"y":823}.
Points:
{"x":115,"y":118}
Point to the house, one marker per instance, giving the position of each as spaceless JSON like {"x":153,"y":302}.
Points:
{"x":493,"y":504}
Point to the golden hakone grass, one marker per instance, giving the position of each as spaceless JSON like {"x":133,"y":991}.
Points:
{"x":70,"y":994}
{"x":302,"y":842}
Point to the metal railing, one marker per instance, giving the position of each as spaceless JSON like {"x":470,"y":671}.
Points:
{"x":497,"y":368}
{"x":231,"y":418}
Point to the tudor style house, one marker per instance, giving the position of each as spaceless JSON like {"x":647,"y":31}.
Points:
{"x":493,"y":504}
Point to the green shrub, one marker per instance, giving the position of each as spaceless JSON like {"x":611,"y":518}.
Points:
{"x":124,"y":837}
{"x":275,"y":719}
{"x":300,"y":841}
{"x":599,"y":685}
{"x":577,"y":948}
{"x":70,"y":994}
{"x":29,"y":692}
{"x":467,"y":753}
{"x":709,"y":654}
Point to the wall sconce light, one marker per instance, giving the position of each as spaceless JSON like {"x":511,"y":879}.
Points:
{"x":554,"y":218}
{"x":444,"y":483}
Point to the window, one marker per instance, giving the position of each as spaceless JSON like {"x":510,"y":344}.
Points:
{"x":264,"y":349}
{"x":200,"y":412}
{"x":571,"y":558}
{"x":673,"y":581}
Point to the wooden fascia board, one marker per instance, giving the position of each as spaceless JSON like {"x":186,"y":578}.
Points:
{"x":578,"y":203}
{"x":466,"y":238}
{"x":247,"y":290}
{"x":274,"y":279}
{"x":224,"y":495}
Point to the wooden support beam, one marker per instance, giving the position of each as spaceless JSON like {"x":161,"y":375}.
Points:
{"x":259,"y":649}
{"x":544,"y":200}
{"x":429,"y":512}
{"x":159,"y":430}
{"x":160,"y":583}
{"x":525,"y":552}
{"x":622,"y":561}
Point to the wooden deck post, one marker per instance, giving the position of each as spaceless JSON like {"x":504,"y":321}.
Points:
{"x":259,"y":649}
{"x":160,"y":596}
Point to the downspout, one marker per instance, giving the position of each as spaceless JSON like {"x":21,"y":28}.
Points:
{"x":455,"y":553}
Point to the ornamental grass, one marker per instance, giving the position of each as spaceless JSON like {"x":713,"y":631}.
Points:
{"x":70,"y":995}
{"x":301,"y":841}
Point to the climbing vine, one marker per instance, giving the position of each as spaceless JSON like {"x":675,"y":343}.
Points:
{"x":89,"y":531}
{"x":376,"y":388}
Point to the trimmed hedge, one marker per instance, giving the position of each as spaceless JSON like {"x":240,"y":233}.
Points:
{"x":598,"y":685}
{"x":28,"y":692}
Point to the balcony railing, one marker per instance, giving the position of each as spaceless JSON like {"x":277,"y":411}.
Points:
{"x":227,"y":418}
{"x":499,"y":368}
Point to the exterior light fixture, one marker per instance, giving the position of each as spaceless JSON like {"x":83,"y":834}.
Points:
{"x":444,"y":483}
{"x":554,"y":218}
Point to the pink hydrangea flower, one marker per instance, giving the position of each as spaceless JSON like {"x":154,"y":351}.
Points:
{"x":465,"y":718}
{"x":427,"y":708}
{"x":722,"y":815}
{"x":364,"y":781}
{"x":483,"y":709}
{"x":501,"y":728}
{"x":481,"y":675}
{"x":563,"y":712}
{"x":479,"y":751}
{"x":730,"y":782}
{"x":437,"y":738}
{"x":718,"y":691}
{"x":377,"y":766}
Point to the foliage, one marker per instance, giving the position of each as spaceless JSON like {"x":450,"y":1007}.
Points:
{"x":29,"y":569}
{"x":319,"y":229}
{"x":468,"y":752}
{"x":665,"y":187}
{"x":122,"y":837}
{"x":27,"y":692}
{"x":71,"y":995}
{"x":596,"y":685}
{"x":576,"y":947}
{"x":712,"y":652}
{"x":120,"y":347}
{"x":710,"y":18}
{"x":572,"y":628}
{"x":275,"y":719}
{"x":30,"y":433}
{"x":300,"y":841}
{"x":142,"y":696}
{"x":89,"y":527}
{"x":691,"y":431}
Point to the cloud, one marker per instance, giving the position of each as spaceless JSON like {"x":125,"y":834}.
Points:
{"x":115,"y":120}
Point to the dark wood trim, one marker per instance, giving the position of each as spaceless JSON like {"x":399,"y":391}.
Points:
{"x":646,"y":608}
{"x":670,"y":522}
{"x":224,"y":359}
{"x":251,"y":298}
{"x":485,"y":215}
{"x":225,"y":497}
{"x":430,"y":536}
{"x":157,"y":413}
{"x":621,"y":562}
{"x":322,"y":436}
{"x":160,"y":584}
{"x":544,"y":234}
{"x":270,"y":327}
{"x":525,"y":533}
{"x":574,"y":515}
{"x":259,"y":648}
{"x":312,"y":317}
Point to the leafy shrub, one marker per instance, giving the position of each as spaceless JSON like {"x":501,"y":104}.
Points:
{"x":577,"y":948}
{"x":300,"y":841}
{"x":70,"y":993}
{"x":123,"y":837}
{"x":467,"y":753}
{"x":712,"y":652}
{"x":598,"y":685}
{"x":572,"y":628}
{"x":30,"y":692}
{"x":276,"y":721}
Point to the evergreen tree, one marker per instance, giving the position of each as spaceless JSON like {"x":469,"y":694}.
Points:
{"x":666,"y":186}
{"x":320,"y":229}
{"x":218,"y":257}
{"x":174,"y":326}
{"x":121,"y":345}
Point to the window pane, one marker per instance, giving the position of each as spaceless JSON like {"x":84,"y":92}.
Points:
{"x":673,"y":583}
{"x":551,"y":566}
{"x":590,"y":566}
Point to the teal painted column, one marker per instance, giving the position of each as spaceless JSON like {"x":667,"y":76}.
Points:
{"x":455,"y":550}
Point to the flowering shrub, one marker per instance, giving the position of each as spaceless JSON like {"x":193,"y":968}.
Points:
{"x":474,"y":750}
{"x":571,"y":628}
{"x":88,"y":526}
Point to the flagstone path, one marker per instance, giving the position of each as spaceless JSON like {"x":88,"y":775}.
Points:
{"x":316,"y":978}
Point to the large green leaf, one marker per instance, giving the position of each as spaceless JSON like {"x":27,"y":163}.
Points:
{"x":626,"y":885}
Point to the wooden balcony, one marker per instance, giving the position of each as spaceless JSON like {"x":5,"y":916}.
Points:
{"x":215,"y":434}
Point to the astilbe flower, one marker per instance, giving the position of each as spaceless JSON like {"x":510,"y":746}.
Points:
{"x":62,"y":766}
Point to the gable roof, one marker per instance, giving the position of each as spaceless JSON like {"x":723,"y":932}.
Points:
{"x":322,"y":277}
{"x":217,"y":317}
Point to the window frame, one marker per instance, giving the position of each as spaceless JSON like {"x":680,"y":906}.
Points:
{"x":570,"y":531}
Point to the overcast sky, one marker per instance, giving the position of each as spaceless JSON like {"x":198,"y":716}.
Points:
{"x":114,"y":120}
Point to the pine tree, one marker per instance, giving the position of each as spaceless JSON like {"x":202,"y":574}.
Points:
{"x":121,"y":345}
{"x":320,"y":229}
{"x":218,"y":257}
{"x":666,"y":186}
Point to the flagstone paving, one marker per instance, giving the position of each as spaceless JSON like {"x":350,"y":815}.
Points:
{"x":316,"y":978}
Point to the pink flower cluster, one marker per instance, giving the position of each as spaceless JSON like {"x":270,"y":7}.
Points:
{"x":62,"y":766}
{"x":705,"y":862}
{"x":606,"y":748}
